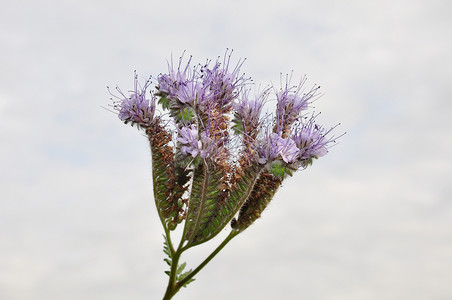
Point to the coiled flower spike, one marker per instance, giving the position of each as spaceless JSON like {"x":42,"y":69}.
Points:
{"x":136,"y":108}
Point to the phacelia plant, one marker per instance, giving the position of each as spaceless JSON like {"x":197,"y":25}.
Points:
{"x":217,"y":159}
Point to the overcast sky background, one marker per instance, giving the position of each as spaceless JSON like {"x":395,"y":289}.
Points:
{"x":371,"y":220}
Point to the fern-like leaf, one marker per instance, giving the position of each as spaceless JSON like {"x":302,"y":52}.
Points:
{"x":169,"y":181}
{"x":180,"y":274}
{"x":224,"y":208}
{"x":206,"y":188}
{"x":263,"y":192}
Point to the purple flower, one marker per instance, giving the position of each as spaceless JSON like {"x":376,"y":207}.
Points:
{"x":222,"y":83}
{"x":289,"y":105}
{"x":191,"y":92}
{"x":210,"y":97}
{"x":170,"y":84}
{"x":312,"y":140}
{"x":136,"y":108}
{"x":273,"y":147}
{"x":193,"y":145}
{"x":248,"y":112}
{"x":287,"y":149}
{"x":188,"y":137}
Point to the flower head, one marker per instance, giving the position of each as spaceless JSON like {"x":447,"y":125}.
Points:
{"x":210,"y":102}
{"x":170,"y":84}
{"x":287,"y":149}
{"x":222,"y":84}
{"x":191,"y":92}
{"x":290,"y":102}
{"x":136,"y":108}
{"x":188,"y":137}
{"x":273,"y":147}
{"x":247,"y":113}
{"x":194,"y":144}
{"x":312,"y":140}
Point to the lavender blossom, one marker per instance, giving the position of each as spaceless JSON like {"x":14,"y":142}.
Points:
{"x":224,"y":85}
{"x":170,"y":84}
{"x":191,"y":92}
{"x":188,"y":137}
{"x":273,"y":147}
{"x":136,"y":108}
{"x":287,"y":149}
{"x":289,"y":105}
{"x":194,"y":145}
{"x":312,"y":140}
{"x":247,"y":112}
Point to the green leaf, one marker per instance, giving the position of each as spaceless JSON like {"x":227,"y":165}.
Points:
{"x":205,"y":191}
{"x":280,"y":169}
{"x":219,"y":212}
{"x":181,"y":268}
{"x":169,"y":180}
{"x":182,"y":277}
{"x":263,"y":192}
{"x":186,"y":115}
{"x":189,"y":281}
{"x":237,"y":128}
{"x":164,"y":102}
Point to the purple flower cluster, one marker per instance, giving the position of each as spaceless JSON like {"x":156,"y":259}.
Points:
{"x":223,"y":84}
{"x":312,"y":140}
{"x":294,"y":139}
{"x":273,"y":147}
{"x":307,"y":142}
{"x":191,"y":92}
{"x":192,"y":144}
{"x":248,"y":111}
{"x":170,"y":84}
{"x":136,"y":108}
{"x":188,"y":137}
{"x":202,"y":100}
{"x":290,"y":102}
{"x":202,"y":86}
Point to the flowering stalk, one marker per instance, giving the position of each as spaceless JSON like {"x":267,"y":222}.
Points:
{"x":215,"y":158}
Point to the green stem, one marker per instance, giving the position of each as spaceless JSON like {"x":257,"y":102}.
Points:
{"x":172,"y":284}
{"x":174,"y":287}
{"x":209,"y":258}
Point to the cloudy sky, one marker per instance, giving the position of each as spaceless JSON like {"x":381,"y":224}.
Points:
{"x":371,"y":220}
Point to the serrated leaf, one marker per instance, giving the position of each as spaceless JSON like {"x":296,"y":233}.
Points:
{"x":277,"y":169}
{"x":183,"y":275}
{"x":164,"y":102}
{"x":181,"y":268}
{"x":238,"y":128}
{"x":280,"y":169}
{"x":185,"y":115}
{"x":189,"y":281}
{"x":166,"y":248}
{"x":166,"y":251}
